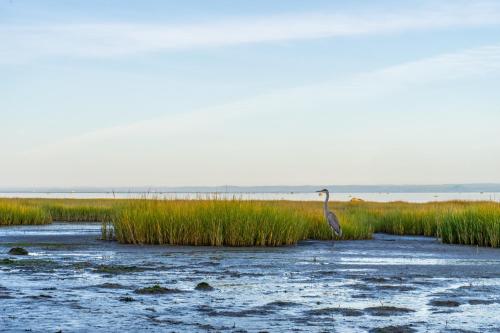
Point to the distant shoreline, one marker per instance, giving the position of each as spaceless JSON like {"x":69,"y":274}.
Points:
{"x":445,"y":188}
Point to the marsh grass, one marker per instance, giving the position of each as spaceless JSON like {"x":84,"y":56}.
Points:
{"x":234,"y":222}
{"x":208,"y":222}
{"x":16,"y":212}
{"x":476,"y":225}
{"x":456,"y":222}
{"x":215,"y":221}
{"x":79,"y":213}
{"x":78,"y":210}
{"x":413,"y":220}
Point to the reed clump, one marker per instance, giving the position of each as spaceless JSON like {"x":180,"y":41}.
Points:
{"x":475,"y":225}
{"x":207,"y":222}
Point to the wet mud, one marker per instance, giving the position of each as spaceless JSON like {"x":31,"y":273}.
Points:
{"x":73,"y":282}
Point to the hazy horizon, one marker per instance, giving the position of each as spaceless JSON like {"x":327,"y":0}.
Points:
{"x":374,"y":188}
{"x":194,"y":93}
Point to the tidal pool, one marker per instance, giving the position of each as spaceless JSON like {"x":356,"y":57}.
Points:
{"x":73,"y":282}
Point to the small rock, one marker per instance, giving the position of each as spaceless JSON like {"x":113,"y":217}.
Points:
{"x":203,"y":286}
{"x":18,"y":251}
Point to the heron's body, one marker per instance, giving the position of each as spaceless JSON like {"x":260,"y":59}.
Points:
{"x":331,"y":218}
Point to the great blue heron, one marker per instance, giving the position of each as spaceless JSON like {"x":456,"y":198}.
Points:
{"x":331,"y":218}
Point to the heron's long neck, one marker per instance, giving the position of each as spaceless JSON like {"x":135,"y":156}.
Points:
{"x":326,"y":203}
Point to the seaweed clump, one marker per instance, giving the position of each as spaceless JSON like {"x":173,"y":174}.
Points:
{"x":155,"y":290}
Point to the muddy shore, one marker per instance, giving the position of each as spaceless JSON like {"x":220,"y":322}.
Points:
{"x":73,"y":282}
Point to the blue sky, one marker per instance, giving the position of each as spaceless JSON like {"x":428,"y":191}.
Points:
{"x":168,"y":93}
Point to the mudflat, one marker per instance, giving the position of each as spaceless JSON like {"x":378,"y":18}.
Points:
{"x":72,"y":281}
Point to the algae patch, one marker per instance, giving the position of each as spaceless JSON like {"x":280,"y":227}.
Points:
{"x":156,"y":290}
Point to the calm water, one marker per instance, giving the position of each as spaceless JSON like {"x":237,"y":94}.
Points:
{"x":380,"y":197}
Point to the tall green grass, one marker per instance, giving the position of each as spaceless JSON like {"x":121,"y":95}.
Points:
{"x":78,"y":210}
{"x":218,"y":222}
{"x":16,"y":212}
{"x":415,"y":220}
{"x":208,"y":222}
{"x":77,"y":213}
{"x":456,"y":222}
{"x":261,"y":223}
{"x":476,"y":225}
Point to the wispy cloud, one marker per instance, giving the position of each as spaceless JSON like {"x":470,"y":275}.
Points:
{"x":20,"y":43}
{"x":469,"y":63}
{"x":197,"y":126}
{"x":267,"y":138}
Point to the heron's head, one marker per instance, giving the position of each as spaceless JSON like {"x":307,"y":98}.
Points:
{"x":322,"y":191}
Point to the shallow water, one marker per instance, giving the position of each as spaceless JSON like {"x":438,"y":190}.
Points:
{"x":73,"y":282}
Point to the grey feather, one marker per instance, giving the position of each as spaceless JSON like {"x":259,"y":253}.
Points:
{"x":334,"y":223}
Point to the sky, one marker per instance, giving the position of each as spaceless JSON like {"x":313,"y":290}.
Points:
{"x":282,"y":92}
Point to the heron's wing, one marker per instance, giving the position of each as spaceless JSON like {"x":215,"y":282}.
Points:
{"x":333,"y":221}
